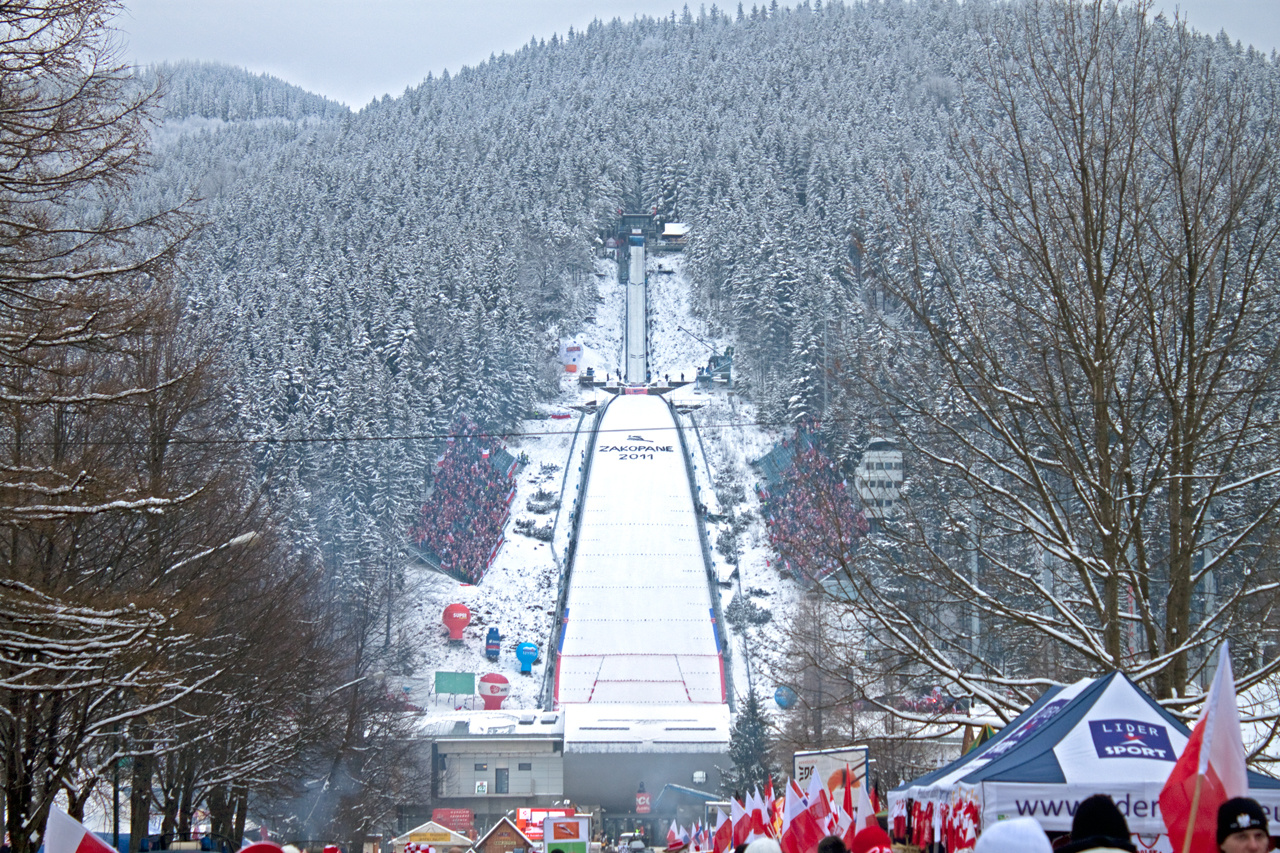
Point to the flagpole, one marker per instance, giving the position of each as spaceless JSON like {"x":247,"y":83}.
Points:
{"x":1191,"y":824}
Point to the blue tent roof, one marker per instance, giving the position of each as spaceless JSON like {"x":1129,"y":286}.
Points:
{"x":1033,"y":760}
{"x":931,"y":777}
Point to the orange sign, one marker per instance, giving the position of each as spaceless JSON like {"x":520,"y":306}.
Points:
{"x":567,"y":831}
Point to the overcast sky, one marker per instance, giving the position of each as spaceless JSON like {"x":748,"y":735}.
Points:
{"x":357,"y":51}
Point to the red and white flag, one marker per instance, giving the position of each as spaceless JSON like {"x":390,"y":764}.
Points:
{"x":760,"y":828}
{"x":802,"y":831}
{"x":722,"y":839}
{"x":866,"y":816}
{"x":741,"y":821}
{"x":65,"y":834}
{"x":792,"y":805}
{"x":847,"y":823}
{"x":1210,"y":770}
{"x":820,"y":805}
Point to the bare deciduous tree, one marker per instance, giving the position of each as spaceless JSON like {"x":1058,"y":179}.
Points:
{"x":1085,"y":371}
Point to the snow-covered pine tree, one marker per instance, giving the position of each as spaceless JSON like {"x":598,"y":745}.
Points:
{"x":750,"y":750}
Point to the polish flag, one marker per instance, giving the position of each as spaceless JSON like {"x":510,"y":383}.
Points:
{"x":847,"y":817}
{"x":801,"y":833}
{"x":722,"y":839}
{"x":1210,"y":770}
{"x":770,"y":808}
{"x":792,"y":805}
{"x":810,"y":825}
{"x":741,"y":821}
{"x":673,"y":834}
{"x":866,"y":816}
{"x":820,"y":805}
{"x":65,"y":834}
{"x":756,"y":807}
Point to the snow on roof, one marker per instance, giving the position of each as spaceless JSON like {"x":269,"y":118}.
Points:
{"x":529,"y":844}
{"x":675,"y":229}
{"x":646,"y":728}
{"x":434,"y":829}
{"x":490,"y":723}
{"x":638,"y":621}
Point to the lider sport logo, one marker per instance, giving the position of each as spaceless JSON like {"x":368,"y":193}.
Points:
{"x":1131,"y":739}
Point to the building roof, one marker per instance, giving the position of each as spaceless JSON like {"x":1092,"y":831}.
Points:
{"x":509,"y":822}
{"x":433,"y":828}
{"x":461,"y":725}
{"x":683,"y":728}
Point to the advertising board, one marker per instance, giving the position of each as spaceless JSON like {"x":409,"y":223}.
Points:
{"x":829,"y":765}
{"x":566,"y":834}
{"x":529,"y":821}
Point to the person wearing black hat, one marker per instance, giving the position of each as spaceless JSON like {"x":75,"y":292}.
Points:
{"x":1242,"y":827}
{"x":1098,"y":825}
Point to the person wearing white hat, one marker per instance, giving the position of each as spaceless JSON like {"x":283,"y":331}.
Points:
{"x":1020,"y":835}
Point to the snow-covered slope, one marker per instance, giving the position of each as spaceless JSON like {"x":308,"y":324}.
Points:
{"x":639,"y":623}
{"x":518,"y":595}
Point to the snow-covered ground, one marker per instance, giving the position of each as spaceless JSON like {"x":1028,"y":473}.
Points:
{"x":518,"y":594}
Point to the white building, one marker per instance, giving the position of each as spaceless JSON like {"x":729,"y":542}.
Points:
{"x":878,"y":479}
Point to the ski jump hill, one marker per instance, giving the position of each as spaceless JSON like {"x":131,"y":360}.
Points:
{"x":638,"y":627}
{"x":638,"y":666}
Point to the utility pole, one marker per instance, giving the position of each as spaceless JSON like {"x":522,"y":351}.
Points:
{"x":115,"y":788}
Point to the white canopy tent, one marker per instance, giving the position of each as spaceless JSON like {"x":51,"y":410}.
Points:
{"x":1095,"y":736}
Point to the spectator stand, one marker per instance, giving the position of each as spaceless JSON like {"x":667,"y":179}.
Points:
{"x":460,"y":528}
{"x":808,"y":507}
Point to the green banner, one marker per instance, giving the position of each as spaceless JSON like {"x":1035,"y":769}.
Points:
{"x":455,"y":682}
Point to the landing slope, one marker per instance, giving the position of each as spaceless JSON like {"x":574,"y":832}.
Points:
{"x":638,"y":622}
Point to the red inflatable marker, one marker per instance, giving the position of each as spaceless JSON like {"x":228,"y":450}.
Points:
{"x":456,"y":618}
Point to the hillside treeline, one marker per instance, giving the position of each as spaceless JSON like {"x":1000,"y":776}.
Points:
{"x":372,"y":274}
{"x":850,"y":173}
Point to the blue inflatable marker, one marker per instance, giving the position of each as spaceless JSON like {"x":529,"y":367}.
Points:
{"x":492,"y":644}
{"x":526,"y":653}
{"x":785,"y":697}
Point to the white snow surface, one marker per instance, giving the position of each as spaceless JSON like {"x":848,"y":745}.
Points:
{"x":639,"y":624}
{"x":685,"y":728}
{"x":518,"y":594}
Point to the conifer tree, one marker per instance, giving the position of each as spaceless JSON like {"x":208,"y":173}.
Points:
{"x":750,"y":750}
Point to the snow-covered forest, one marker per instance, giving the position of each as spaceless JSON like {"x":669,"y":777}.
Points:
{"x":374,"y":274}
{"x":858,"y":178}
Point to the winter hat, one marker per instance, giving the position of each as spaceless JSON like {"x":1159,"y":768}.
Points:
{"x":1239,"y":814}
{"x":1098,"y":823}
{"x":873,"y":839}
{"x":1019,"y":835}
{"x":764,"y":845}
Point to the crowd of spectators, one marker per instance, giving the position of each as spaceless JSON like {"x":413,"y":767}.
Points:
{"x":461,"y":525}
{"x":812,"y":522}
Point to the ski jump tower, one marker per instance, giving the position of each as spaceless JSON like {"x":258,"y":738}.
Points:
{"x":636,"y":343}
{"x":637,"y":664}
